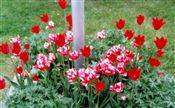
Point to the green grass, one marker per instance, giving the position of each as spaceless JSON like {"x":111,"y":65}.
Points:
{"x":103,"y":14}
{"x":18,"y":16}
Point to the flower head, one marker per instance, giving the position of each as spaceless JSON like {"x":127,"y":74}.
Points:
{"x":19,"y":69}
{"x":140,"y":19}
{"x":47,"y":45}
{"x":126,"y":57}
{"x":121,"y":69}
{"x":25,"y":75}
{"x":69,"y":21}
{"x":35,"y":78}
{"x":120,"y":24}
{"x":26,"y":46}
{"x":72,"y":75}
{"x":134,"y":73}
{"x":64,"y":50}
{"x":87,"y":76}
{"x":36,"y":29}
{"x":51,"y":57}
{"x":60,"y":40}
{"x":160,"y":74}
{"x":160,"y":42}
{"x":139,"y":41}
{"x":105,"y":67}
{"x":4,"y":48}
{"x":115,"y":50}
{"x":44,"y":18}
{"x":50,"y":25}
{"x":15,"y":40}
{"x":117,"y":88}
{"x":62,"y":3}
{"x":24,"y":57}
{"x":99,"y":86}
{"x":112,"y":57}
{"x":157,"y":23}
{"x":2,"y":84}
{"x":42,"y":62}
{"x":101,"y":35}
{"x":86,"y":51}
{"x":74,"y":55}
{"x":140,"y":57}
{"x":159,"y":53}
{"x":16,"y":48}
{"x":128,"y":34}
{"x":52,"y":37}
{"x":154,"y":62}
{"x":69,"y":36}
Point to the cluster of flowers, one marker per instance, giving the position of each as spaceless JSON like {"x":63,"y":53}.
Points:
{"x":117,"y":58}
{"x":106,"y":67}
{"x":114,"y":62}
{"x":15,"y":49}
{"x":62,"y":41}
{"x":139,"y":40}
{"x":50,"y":23}
{"x":88,"y":75}
{"x":43,"y":61}
{"x":17,"y":52}
{"x":115,"y":54}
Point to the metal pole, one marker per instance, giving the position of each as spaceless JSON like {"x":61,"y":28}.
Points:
{"x":78,"y":28}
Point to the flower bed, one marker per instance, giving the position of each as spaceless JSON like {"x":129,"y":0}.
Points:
{"x":120,"y":70}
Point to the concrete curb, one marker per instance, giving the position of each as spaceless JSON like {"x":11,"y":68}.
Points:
{"x":2,"y":105}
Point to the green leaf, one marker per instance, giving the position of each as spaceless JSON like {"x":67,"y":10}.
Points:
{"x":11,"y":82}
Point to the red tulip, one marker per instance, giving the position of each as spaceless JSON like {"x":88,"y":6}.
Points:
{"x":4,"y":48}
{"x":60,"y":40}
{"x":2,"y":84}
{"x":154,"y":62}
{"x":86,"y":51}
{"x":140,"y":58}
{"x":140,"y":19}
{"x":160,"y":74}
{"x":112,"y":57}
{"x":74,"y":55}
{"x":160,"y":42}
{"x":24,"y":57}
{"x":69,"y":21}
{"x":99,"y":86}
{"x":16,"y":48}
{"x":120,"y":24}
{"x":134,"y":73}
{"x":25,"y":75}
{"x":19,"y":69}
{"x":35,"y":77}
{"x":26,"y":46}
{"x":36,"y":29}
{"x":139,"y":41}
{"x":159,"y":53}
{"x":62,"y":3}
{"x":128,"y":34}
{"x":117,"y":87}
{"x":157,"y":23}
{"x":44,"y":18}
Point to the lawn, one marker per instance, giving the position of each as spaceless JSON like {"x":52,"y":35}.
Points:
{"x":18,"y":16}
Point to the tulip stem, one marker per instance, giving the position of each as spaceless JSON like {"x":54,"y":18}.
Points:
{"x":98,"y":96}
{"x":89,"y":96}
{"x":104,"y":101}
{"x":87,"y":62}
